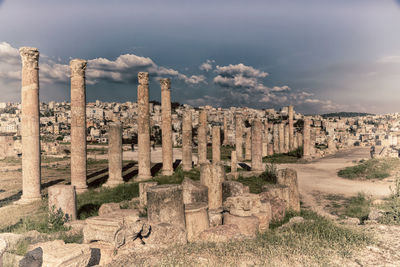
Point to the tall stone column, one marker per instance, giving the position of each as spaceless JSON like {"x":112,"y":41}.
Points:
{"x":114,"y":155}
{"x":239,"y":137}
{"x":202,"y":137}
{"x":247,"y":147}
{"x":187,"y":141}
{"x":291,"y":128}
{"x":78,"y":125}
{"x":216,"y":144}
{"x":256,"y":146}
{"x":276,"y":138}
{"x":143,"y":122}
{"x":306,"y":138}
{"x":265,"y":139}
{"x":30,"y":134}
{"x":166,"y":127}
{"x":281,"y":133}
{"x":299,"y":139}
{"x":287,"y":139}
{"x":225,"y":142}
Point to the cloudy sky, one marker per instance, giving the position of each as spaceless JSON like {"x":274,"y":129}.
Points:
{"x":319,"y":55}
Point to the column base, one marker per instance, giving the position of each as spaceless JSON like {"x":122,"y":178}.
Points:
{"x":167,"y":172}
{"x":111,"y":184}
{"x":186,"y":169}
{"x":142,"y":177}
{"x":25,"y":201}
{"x":81,"y":189}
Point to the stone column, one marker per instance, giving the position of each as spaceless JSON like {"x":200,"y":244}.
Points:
{"x":281,"y":132}
{"x":247,"y":147}
{"x":143,"y":122}
{"x":233,"y":162}
{"x":256,"y":146}
{"x":78,"y":125}
{"x":270,"y":149}
{"x":187,"y":141}
{"x":276,"y":138}
{"x":143,"y":188}
{"x":165,"y":204}
{"x":212,"y":176}
{"x":216,"y":144}
{"x":295,"y":143}
{"x":114,"y":155}
{"x":239,"y":137}
{"x":265,"y":139}
{"x":291,"y":128}
{"x":202,"y":137}
{"x":196,"y":217}
{"x":166,"y":122}
{"x":63,"y":197}
{"x":287,"y":139}
{"x":225,"y":142}
{"x":306,"y":138}
{"x":299,"y":139}
{"x":30,"y":134}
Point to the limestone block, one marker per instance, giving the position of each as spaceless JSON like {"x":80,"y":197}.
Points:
{"x":244,"y":205}
{"x":3,"y":247}
{"x":143,"y":187}
{"x":194,"y":191}
{"x":276,"y":190}
{"x":196,"y":218}
{"x":107,"y":208}
{"x":165,"y":205}
{"x":165,"y":234}
{"x":233,"y":189}
{"x":248,"y":225}
{"x":221,"y":233}
{"x":63,"y":197}
{"x":288,"y":177}
{"x":215,"y":216}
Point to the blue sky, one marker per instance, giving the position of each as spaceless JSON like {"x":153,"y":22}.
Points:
{"x":318,"y":55}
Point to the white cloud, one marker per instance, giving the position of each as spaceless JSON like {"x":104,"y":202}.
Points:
{"x":208,"y":65}
{"x":393,"y":59}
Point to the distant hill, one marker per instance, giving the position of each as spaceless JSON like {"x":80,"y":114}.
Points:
{"x":346,"y":114}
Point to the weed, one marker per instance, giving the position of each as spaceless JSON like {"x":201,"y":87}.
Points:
{"x":370,"y":169}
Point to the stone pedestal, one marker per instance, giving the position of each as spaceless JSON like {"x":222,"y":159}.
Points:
{"x":63,"y":197}
{"x":256,"y":146}
{"x":166,"y":124}
{"x":202,"y":138}
{"x":143,"y":122}
{"x":196,"y":217}
{"x":143,"y":188}
{"x":114,"y":155}
{"x":212,"y":176}
{"x":239,"y":137}
{"x":165,"y":205}
{"x":291,"y":128}
{"x":247,"y":155}
{"x":187,"y":141}
{"x":30,"y":134}
{"x":78,"y":125}
{"x":216,"y":144}
{"x":306,"y":139}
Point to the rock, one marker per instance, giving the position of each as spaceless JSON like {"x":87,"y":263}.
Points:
{"x":244,"y":205}
{"x":233,"y":189}
{"x":194,"y":191}
{"x":292,"y":221}
{"x":164,"y":235}
{"x":288,"y":177}
{"x":248,"y":225}
{"x":278,"y":206}
{"x":107,"y":208}
{"x":221,"y":233}
{"x":215,"y":217}
{"x":374,"y":214}
{"x":271,"y":191}
{"x":104,"y":251}
{"x":33,"y":258}
{"x":3,"y":246}
{"x":143,"y":187}
{"x":11,"y":239}
{"x":196,"y":218}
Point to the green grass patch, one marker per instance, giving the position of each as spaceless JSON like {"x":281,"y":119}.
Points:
{"x":294,"y":156}
{"x":178,"y":176}
{"x":371,"y":169}
{"x":358,"y":207}
{"x":255,"y":183}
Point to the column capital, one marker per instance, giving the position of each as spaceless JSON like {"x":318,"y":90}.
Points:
{"x":165,"y":84}
{"x":143,"y":78}
{"x":29,"y":56}
{"x":78,"y":67}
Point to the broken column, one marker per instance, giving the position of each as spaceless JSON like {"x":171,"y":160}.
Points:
{"x":143,"y":122}
{"x":233,"y":162}
{"x":276,"y":138}
{"x":286,"y":131}
{"x":288,"y":177}
{"x":78,"y":125}
{"x":306,"y":138}
{"x":216,"y":144}
{"x":291,"y":128}
{"x":166,"y":123}
{"x":202,"y":137}
{"x":247,"y":147}
{"x":187,"y":141}
{"x":196,"y":217}
{"x":281,"y":133}
{"x":165,"y":204}
{"x":239,"y":137}
{"x":30,"y":134}
{"x":212,"y":176}
{"x":63,"y":197}
{"x":143,"y":188}
{"x":114,"y":155}
{"x":256,"y":146}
